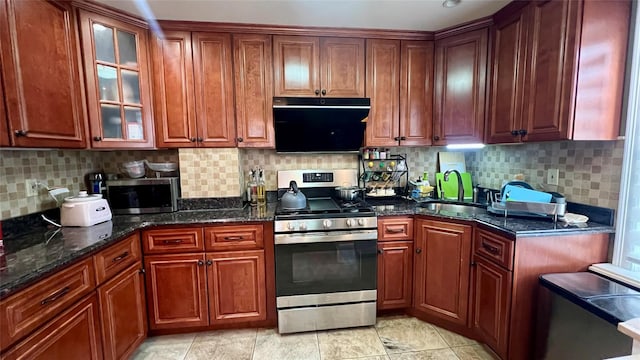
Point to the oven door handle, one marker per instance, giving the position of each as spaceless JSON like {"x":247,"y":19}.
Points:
{"x":325,"y":236}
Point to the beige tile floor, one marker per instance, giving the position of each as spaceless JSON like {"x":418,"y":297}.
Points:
{"x":392,"y":338}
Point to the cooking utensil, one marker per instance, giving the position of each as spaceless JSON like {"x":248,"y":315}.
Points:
{"x":347,"y":193}
{"x":293,"y":199}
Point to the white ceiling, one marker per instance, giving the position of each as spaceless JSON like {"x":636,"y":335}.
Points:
{"x":426,"y":15}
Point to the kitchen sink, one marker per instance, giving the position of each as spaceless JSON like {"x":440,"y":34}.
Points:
{"x":454,"y":209}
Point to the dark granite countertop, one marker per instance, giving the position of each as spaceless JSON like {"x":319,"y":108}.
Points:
{"x":40,"y":252}
{"x":605,"y":298}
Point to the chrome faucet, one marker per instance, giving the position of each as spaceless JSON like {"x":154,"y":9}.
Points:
{"x":460,"y":187}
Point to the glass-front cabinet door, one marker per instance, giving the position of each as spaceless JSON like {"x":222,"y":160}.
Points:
{"x":117,"y":79}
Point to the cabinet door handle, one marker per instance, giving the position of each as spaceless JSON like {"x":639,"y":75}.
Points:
{"x":324,"y":92}
{"x":199,"y":139}
{"x":380,"y":251}
{"x":97,"y":138}
{"x":514,"y":132}
{"x":20,"y":133}
{"x":317,"y":92}
{"x":492,"y":249}
{"x":192,"y":139}
{"x":55,"y":296}
{"x":394,"y":231}
{"x":240,"y":139}
{"x":200,"y":263}
{"x":120,"y":257}
{"x":209,"y":262}
{"x":418,"y":251}
{"x":436,"y":138}
{"x":403,"y":138}
{"x":234,"y":238}
{"x":143,"y":271}
{"x":522,"y":132}
{"x":397,"y":138}
{"x":173,"y":242}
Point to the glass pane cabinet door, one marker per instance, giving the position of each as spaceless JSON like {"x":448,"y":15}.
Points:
{"x":117,"y":82}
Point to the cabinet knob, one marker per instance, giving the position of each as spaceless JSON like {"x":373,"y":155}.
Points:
{"x":317,"y":92}
{"x":380,"y":251}
{"x":240,"y":139}
{"x":192,"y":139}
{"x":200,"y":263}
{"x":199,"y":139}
{"x":209,"y":262}
{"x":403,"y":138}
{"x":97,"y":138}
{"x":142,"y":271}
{"x":397,"y":138}
{"x":418,"y":251}
{"x":522,"y":132}
{"x":324,"y":92}
{"x":514,"y":132}
{"x":20,"y":133}
{"x":436,"y":138}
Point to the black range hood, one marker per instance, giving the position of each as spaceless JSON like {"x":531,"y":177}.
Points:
{"x":320,"y":124}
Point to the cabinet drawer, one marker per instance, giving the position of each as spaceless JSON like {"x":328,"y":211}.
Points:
{"x":395,"y":228}
{"x":494,"y":247}
{"x":116,"y":258}
{"x":178,"y":240}
{"x":234,"y":237}
{"x":29,"y":309}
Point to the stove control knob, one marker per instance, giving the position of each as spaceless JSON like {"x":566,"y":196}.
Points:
{"x":361,"y":222}
{"x":326,"y":223}
{"x":303,"y":227}
{"x":291,"y":226}
{"x":349,"y":222}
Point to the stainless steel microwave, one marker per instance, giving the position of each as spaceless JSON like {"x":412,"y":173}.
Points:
{"x":143,"y":196}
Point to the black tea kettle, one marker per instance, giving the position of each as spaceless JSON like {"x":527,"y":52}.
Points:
{"x":293,"y":199}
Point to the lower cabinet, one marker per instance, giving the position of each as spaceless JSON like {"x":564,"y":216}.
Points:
{"x":491,"y":304}
{"x":442,"y":266}
{"x":123,"y":313}
{"x":72,"y":335}
{"x":176,"y":291}
{"x":237,"y":290}
{"x":395,"y":265}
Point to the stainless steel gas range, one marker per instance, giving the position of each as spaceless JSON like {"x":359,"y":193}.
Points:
{"x":325,"y":255}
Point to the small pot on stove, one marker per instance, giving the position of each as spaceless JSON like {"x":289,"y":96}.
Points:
{"x":347,"y":193}
{"x":293,"y":199}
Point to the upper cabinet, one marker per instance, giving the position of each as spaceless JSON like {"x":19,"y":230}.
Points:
{"x":312,"y":66}
{"x":571,"y":77}
{"x":40,"y":69}
{"x":460,"y":67}
{"x":400,"y":85}
{"x":117,"y":79}
{"x":253,"y":70}
{"x":4,"y":130}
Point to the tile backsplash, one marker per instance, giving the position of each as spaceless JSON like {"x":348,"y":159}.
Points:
{"x":589,"y":172}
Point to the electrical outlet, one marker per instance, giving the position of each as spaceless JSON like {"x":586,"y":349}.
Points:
{"x":31,"y":187}
{"x":552,"y":176}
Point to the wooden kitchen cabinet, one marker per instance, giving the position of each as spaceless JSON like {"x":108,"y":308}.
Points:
{"x":40,"y":56}
{"x":117,"y":80}
{"x":253,"y":79}
{"x":491,"y":304}
{"x":383,"y":88}
{"x":73,"y":335}
{"x":173,"y":240}
{"x":123,"y":313}
{"x":116,"y":258}
{"x":509,"y":35}
{"x":395,"y":228}
{"x":236,"y":285}
{"x":194,"y":82}
{"x":442,"y":266}
{"x":416,"y":93}
{"x":569,"y":71}
{"x":395,"y":274}
{"x":459,"y":101}
{"x":4,"y":128}
{"x":312,"y":66}
{"x":176,"y":291}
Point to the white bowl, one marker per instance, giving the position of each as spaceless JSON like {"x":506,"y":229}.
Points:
{"x":133,"y":169}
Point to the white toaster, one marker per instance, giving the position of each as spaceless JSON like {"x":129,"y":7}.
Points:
{"x":84,"y":210}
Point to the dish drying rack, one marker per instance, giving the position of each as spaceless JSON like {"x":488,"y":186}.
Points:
{"x":391,"y":172}
{"x":552,"y":210}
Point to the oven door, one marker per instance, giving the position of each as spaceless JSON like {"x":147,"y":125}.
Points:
{"x":317,"y":263}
